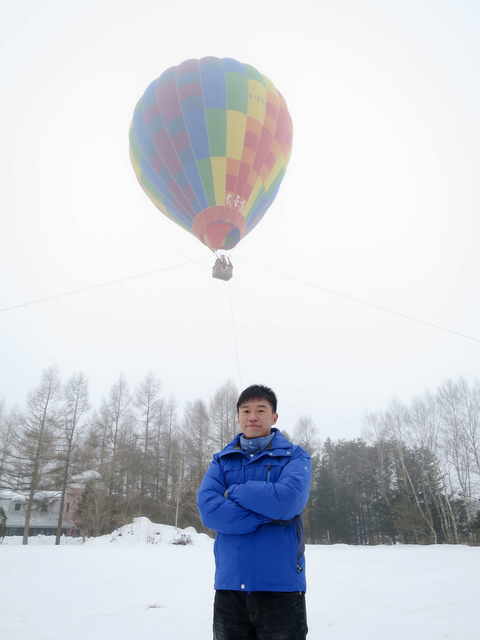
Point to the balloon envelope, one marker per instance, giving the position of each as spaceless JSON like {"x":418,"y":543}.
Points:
{"x":210,"y":141}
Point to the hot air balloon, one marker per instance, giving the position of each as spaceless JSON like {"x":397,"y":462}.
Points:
{"x":210,"y":142}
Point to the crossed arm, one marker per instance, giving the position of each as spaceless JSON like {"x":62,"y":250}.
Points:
{"x":249,"y":505}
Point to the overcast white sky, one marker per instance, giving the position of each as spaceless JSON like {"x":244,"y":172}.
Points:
{"x":380,"y":202}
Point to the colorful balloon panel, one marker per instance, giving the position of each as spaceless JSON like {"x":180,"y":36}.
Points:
{"x":210,"y":142}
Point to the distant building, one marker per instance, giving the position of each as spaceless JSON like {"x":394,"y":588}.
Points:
{"x":44,"y":517}
{"x":46,"y":508}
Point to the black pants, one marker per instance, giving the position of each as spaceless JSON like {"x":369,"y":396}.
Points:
{"x":264,"y":615}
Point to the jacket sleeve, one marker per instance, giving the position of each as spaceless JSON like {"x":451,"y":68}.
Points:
{"x":281,"y":500}
{"x":220,"y":514}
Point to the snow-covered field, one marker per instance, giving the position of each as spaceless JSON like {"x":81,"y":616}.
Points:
{"x":135,"y":583}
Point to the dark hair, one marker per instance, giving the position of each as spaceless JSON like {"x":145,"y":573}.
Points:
{"x":258,"y":392}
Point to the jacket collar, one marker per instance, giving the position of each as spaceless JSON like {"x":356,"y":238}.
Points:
{"x":278,"y":442}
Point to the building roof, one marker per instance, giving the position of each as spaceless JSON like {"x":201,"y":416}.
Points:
{"x":80,"y":480}
{"x":22,"y":496}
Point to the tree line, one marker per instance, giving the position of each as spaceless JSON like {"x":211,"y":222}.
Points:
{"x":414,"y":476}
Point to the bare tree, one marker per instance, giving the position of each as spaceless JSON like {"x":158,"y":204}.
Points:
{"x":469,"y":409}
{"x":375,"y":432}
{"x":129,"y":466}
{"x":168,"y":444}
{"x":35,"y":442}
{"x":425,"y":424}
{"x":101,"y":430}
{"x":91,"y":447}
{"x":473,"y":431}
{"x":460,"y":412}
{"x":305,"y":433}
{"x":76,"y":404}
{"x":197,"y":442}
{"x":8,"y":427}
{"x":223,"y":415}
{"x":148,"y":404}
{"x":184,"y":487}
{"x":117,"y":411}
{"x":455,"y":440}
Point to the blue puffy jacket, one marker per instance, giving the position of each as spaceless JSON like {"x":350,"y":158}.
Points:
{"x":259,"y":544}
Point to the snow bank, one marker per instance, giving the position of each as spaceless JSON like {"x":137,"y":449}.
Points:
{"x":140,"y":531}
{"x":144,"y":531}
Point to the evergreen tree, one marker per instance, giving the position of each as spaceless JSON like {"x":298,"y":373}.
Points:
{"x":3,"y":524}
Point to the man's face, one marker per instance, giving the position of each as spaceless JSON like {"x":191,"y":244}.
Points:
{"x":256,"y":418}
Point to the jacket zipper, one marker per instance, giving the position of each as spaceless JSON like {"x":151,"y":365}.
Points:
{"x":268,"y":472}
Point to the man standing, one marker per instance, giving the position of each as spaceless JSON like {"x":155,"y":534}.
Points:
{"x":253,"y":495}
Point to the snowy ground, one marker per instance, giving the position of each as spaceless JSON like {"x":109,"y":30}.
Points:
{"x":139,"y":585}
